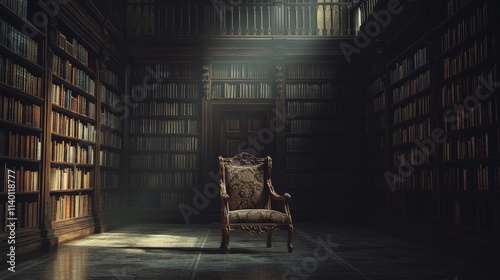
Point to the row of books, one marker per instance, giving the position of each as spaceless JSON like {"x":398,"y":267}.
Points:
{"x":417,"y":107}
{"x":465,"y":28}
{"x":25,"y":180}
{"x":161,"y":71}
{"x":169,"y":143}
{"x":480,"y":214}
{"x":17,"y":145}
{"x":317,"y":126}
{"x":332,"y":179}
{"x":451,"y":211}
{"x":110,"y":159}
{"x":26,"y":215}
{"x":242,"y":90}
{"x":455,"y":6}
{"x":65,"y":207}
{"x":173,"y":200}
{"x":468,"y":85}
{"x":159,"y":160}
{"x":165,"y":90}
{"x":110,"y":138}
{"x":376,"y":87}
{"x":111,"y":78}
{"x":17,"y":111}
{"x":419,"y":180}
{"x":18,"y":42}
{"x":481,"y":114}
{"x":377,"y":104}
{"x":72,"y":153}
{"x":109,"y":97}
{"x":468,"y":179}
{"x":311,"y":71}
{"x":110,"y":179}
{"x":241,"y":71}
{"x":309,"y":161}
{"x":410,"y":205}
{"x":323,"y":90}
{"x":72,"y":47}
{"x":466,"y":147}
{"x":319,"y":108}
{"x":411,"y":87}
{"x":161,"y":108}
{"x":164,"y":126}
{"x":19,"y":7}
{"x":79,"y":78}
{"x":414,"y":156}
{"x":314,"y":143}
{"x":164,"y":179}
{"x":481,"y":50}
{"x":73,"y":127}
{"x":408,"y":65}
{"x":70,"y":178}
{"x":20,"y":78}
{"x":488,"y":215}
{"x":375,"y":124}
{"x":414,"y":131}
{"x":110,"y":120}
{"x":109,"y":201}
{"x":70,"y":100}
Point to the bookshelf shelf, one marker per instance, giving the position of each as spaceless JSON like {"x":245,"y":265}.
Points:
{"x":9,"y":90}
{"x":85,"y":190}
{"x":58,"y":80}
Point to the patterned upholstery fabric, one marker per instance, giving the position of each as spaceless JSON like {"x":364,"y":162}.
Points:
{"x":245,"y":186}
{"x":256,"y":216}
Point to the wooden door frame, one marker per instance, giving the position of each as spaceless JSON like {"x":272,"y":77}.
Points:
{"x":214,"y":119}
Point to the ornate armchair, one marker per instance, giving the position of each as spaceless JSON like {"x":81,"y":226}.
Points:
{"x":246,"y":192}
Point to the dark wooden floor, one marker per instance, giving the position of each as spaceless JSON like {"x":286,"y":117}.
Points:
{"x":163,"y":251}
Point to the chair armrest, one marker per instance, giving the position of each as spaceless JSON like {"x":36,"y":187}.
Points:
{"x":286,"y":197}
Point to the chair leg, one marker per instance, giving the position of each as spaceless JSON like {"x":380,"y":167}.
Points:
{"x":290,"y":237}
{"x":269,"y":237}
{"x":223,"y":238}
{"x":226,"y":239}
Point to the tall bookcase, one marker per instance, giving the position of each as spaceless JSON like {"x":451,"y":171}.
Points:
{"x":375,"y":198}
{"x":467,"y":58}
{"x":320,"y":140}
{"x":73,"y":134}
{"x":112,"y":195}
{"x":22,"y":103}
{"x":165,"y":136}
{"x":442,"y":115}
{"x":409,"y":115}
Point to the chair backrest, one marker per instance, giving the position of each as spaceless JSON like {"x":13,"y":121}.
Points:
{"x":245,"y":178}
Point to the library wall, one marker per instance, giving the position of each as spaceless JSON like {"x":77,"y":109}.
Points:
{"x":61,"y":135}
{"x":432,"y":122}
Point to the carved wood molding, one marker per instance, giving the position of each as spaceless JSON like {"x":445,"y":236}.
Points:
{"x":258,"y":229}
{"x":53,"y":33}
{"x":279,"y":81}
{"x":245,"y":159}
{"x":103,"y":59}
{"x":205,"y":80}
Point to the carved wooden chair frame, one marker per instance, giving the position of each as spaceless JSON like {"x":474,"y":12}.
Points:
{"x":246,"y":159}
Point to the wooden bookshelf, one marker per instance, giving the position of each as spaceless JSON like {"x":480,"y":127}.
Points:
{"x":112,"y":190}
{"x":242,"y":80}
{"x":466,"y":61}
{"x":165,"y":137}
{"x":74,"y":128}
{"x":317,"y":159}
{"x":440,"y":83}
{"x":22,"y":106}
